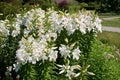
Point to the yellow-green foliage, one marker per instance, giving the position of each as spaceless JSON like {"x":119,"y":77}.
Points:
{"x":104,"y":62}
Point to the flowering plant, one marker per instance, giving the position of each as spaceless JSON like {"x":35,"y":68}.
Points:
{"x":44,"y":41}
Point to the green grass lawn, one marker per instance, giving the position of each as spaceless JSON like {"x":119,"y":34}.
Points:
{"x":112,"y":22}
{"x":115,"y":22}
{"x":110,"y":38}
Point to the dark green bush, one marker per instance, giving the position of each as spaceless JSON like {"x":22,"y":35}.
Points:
{"x":8,"y":9}
{"x":109,"y":5}
{"x":74,"y":6}
{"x":45,"y":4}
{"x":92,"y":6}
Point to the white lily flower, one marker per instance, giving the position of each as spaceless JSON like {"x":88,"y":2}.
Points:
{"x":69,"y":70}
{"x":98,"y":25}
{"x":91,"y":73}
{"x":72,"y":68}
{"x":76,"y":53}
{"x":64,"y":51}
{"x":53,"y":55}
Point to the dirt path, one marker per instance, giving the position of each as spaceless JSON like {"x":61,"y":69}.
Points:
{"x":112,"y":29}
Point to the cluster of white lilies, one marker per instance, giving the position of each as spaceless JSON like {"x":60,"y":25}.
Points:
{"x":41,"y":31}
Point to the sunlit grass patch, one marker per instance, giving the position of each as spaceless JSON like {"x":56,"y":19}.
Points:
{"x":110,"y":38}
{"x":112,"y":22}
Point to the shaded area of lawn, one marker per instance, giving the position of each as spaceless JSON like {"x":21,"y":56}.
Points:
{"x":110,"y":38}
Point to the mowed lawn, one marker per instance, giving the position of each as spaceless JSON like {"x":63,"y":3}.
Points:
{"x":112,"y":22}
